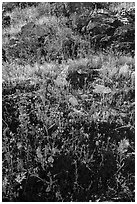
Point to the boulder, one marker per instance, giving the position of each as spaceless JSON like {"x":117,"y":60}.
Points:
{"x":73,"y":101}
{"x":124,"y":71}
{"x":101,"y":89}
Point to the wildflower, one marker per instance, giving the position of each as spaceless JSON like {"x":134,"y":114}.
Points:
{"x":97,"y":143}
{"x":123,"y":146}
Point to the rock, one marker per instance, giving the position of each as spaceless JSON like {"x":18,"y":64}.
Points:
{"x":101,"y":89}
{"x":124,"y":71}
{"x":84,"y":96}
{"x":61,"y":82}
{"x":73,"y":101}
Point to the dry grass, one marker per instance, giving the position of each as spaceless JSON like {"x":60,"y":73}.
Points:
{"x":119,"y":5}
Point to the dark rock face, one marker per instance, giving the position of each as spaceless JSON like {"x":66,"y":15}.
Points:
{"x":78,"y":80}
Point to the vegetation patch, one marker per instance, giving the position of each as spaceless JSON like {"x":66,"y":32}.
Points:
{"x":68,"y":102}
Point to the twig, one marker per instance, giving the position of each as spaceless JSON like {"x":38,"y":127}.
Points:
{"x":125,"y":126}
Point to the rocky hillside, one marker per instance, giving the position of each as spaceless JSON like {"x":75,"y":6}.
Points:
{"x":68,"y":102}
